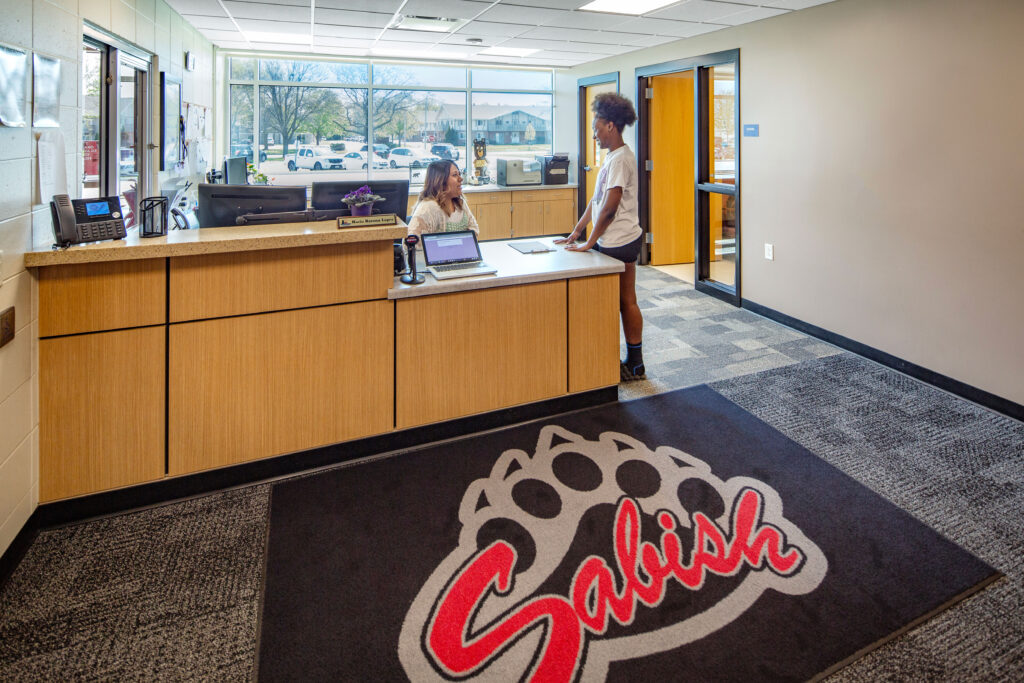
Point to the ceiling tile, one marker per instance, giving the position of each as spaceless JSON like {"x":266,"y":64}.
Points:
{"x":282,"y":47}
{"x":352,"y":43}
{"x":490,"y":28}
{"x":268,"y":26}
{"x":412,"y":36}
{"x":516,"y":14}
{"x":460,"y":39}
{"x":650,"y":41}
{"x":553,"y":33}
{"x":344,"y":51}
{"x":661,"y":27}
{"x":346,"y":31}
{"x":233,"y":44}
{"x":752,"y":14}
{"x":592,"y":20}
{"x":252,"y":10}
{"x":201,"y":22}
{"x":358,"y":5}
{"x":549,"y":4}
{"x":451,"y":9}
{"x":213,"y":35}
{"x":708,"y":28}
{"x":698,"y":10}
{"x":584,"y":49}
{"x":197,"y":7}
{"x":339,"y":17}
{"x":796,"y":4}
{"x":293,"y":3}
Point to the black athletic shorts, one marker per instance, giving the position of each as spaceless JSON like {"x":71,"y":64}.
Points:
{"x":627,"y":253}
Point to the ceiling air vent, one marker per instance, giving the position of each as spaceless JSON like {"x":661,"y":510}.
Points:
{"x":435,"y":24}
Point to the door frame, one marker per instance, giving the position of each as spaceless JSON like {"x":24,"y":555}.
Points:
{"x":584,"y":135}
{"x":699,"y":65}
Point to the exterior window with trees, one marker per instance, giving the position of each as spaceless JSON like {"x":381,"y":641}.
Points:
{"x":301,"y":121}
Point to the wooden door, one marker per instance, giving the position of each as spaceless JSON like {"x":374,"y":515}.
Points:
{"x":670,"y":141}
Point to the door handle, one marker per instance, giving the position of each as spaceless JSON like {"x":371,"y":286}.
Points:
{"x":587,"y":168}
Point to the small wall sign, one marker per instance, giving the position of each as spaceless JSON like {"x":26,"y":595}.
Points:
{"x":751,"y":130}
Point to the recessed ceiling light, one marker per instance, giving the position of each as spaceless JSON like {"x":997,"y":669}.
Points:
{"x":635,"y":7}
{"x":507,"y":51}
{"x":435,"y":24}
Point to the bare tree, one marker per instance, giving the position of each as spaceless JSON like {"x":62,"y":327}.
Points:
{"x":286,"y":109}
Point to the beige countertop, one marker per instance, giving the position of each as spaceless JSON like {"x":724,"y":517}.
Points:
{"x":214,"y":241}
{"x":514,"y":268}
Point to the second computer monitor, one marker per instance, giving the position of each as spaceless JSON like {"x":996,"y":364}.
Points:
{"x":327,"y":196}
{"x":235,"y":171}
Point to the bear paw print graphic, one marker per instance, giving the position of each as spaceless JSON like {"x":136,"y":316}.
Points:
{"x":588,"y":552}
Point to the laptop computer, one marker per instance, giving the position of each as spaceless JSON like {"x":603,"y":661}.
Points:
{"x":453,"y":254}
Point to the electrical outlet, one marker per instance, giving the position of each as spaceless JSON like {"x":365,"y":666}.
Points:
{"x":6,"y":325}
{"x":769,"y":251}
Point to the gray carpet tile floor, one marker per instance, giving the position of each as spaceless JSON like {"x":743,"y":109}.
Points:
{"x":172,"y":592}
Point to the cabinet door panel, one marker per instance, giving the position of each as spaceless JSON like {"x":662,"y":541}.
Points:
{"x":486,"y":360}
{"x":101,"y":411}
{"x":255,"y":386}
{"x":559,"y":216}
{"x":527,"y":219}
{"x":495,"y":221}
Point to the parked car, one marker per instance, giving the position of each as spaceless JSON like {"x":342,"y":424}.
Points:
{"x":445,"y":150}
{"x":315,"y":158}
{"x":244,"y":149}
{"x":379,"y":148}
{"x":400,"y":157}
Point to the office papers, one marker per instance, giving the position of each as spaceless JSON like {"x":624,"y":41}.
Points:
{"x":52,"y":172}
{"x":531,"y":247}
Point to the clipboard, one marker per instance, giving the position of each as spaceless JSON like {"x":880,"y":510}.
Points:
{"x":530,"y":247}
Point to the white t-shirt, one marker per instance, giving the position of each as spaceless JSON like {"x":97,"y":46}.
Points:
{"x":619,"y":170}
{"x":428,"y":216}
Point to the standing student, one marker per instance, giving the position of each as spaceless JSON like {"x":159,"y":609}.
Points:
{"x":617,"y":230}
{"x":441,"y":206}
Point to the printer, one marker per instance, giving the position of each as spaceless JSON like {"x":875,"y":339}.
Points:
{"x":518,"y":172}
{"x":554,"y":168}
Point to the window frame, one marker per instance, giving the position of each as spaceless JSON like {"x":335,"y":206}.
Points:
{"x":224,"y":57}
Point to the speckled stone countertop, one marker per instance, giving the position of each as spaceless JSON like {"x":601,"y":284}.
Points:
{"x":414,"y":191}
{"x":514,"y":268}
{"x":214,"y":241}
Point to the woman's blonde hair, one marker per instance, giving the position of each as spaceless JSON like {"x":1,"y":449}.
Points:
{"x":437,"y":178}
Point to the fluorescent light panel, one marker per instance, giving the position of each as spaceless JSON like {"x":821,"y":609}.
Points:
{"x":634,"y":7}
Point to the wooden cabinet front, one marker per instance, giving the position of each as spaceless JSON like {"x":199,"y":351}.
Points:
{"x":91,"y":297}
{"x":255,"y":386}
{"x":472,"y":352}
{"x":101,"y":411}
{"x":593,"y":332}
{"x":237,"y":283}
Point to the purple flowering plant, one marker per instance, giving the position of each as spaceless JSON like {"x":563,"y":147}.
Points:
{"x":361,"y":196}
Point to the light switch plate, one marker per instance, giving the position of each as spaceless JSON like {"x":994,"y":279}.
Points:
{"x":769,"y":251}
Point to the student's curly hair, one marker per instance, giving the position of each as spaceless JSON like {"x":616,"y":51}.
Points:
{"x":614,"y":107}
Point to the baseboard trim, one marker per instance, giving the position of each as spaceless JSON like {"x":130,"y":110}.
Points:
{"x":15,"y":552}
{"x":57,"y":513}
{"x":971,"y":393}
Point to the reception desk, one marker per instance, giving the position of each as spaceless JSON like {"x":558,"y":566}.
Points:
{"x":173,"y":355}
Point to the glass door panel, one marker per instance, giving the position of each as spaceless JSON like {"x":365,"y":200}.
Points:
{"x":129,"y":153}
{"x":92,"y":59}
{"x":719,"y":235}
{"x":722,"y":126}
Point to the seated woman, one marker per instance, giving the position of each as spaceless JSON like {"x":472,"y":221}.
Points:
{"x":441,"y":206}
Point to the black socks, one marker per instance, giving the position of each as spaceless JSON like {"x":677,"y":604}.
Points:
{"x":633,"y":367}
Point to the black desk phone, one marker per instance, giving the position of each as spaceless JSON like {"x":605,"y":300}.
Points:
{"x":86,"y":220}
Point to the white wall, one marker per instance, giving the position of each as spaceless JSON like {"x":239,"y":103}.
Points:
{"x":55,"y":29}
{"x":887,"y":174}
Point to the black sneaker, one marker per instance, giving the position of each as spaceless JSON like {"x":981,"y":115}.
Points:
{"x":627,"y":375}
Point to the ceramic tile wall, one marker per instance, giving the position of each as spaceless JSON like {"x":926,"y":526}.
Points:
{"x":54,"y":28}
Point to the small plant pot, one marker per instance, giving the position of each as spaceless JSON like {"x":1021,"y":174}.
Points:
{"x":362,"y":209}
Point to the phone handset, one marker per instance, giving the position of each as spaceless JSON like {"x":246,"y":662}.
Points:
{"x":64,"y":224}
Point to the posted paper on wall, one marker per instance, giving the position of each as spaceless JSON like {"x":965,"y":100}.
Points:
{"x":52,"y":170}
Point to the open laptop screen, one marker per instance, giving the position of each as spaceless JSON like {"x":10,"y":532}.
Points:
{"x":440,"y":248}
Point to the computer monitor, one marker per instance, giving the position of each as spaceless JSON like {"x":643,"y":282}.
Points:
{"x":221,"y":205}
{"x":327,"y":196}
{"x":235,"y":171}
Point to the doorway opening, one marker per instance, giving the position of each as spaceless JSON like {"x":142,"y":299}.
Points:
{"x":689,"y":170}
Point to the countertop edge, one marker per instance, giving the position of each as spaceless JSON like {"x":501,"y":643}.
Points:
{"x":431,"y":286}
